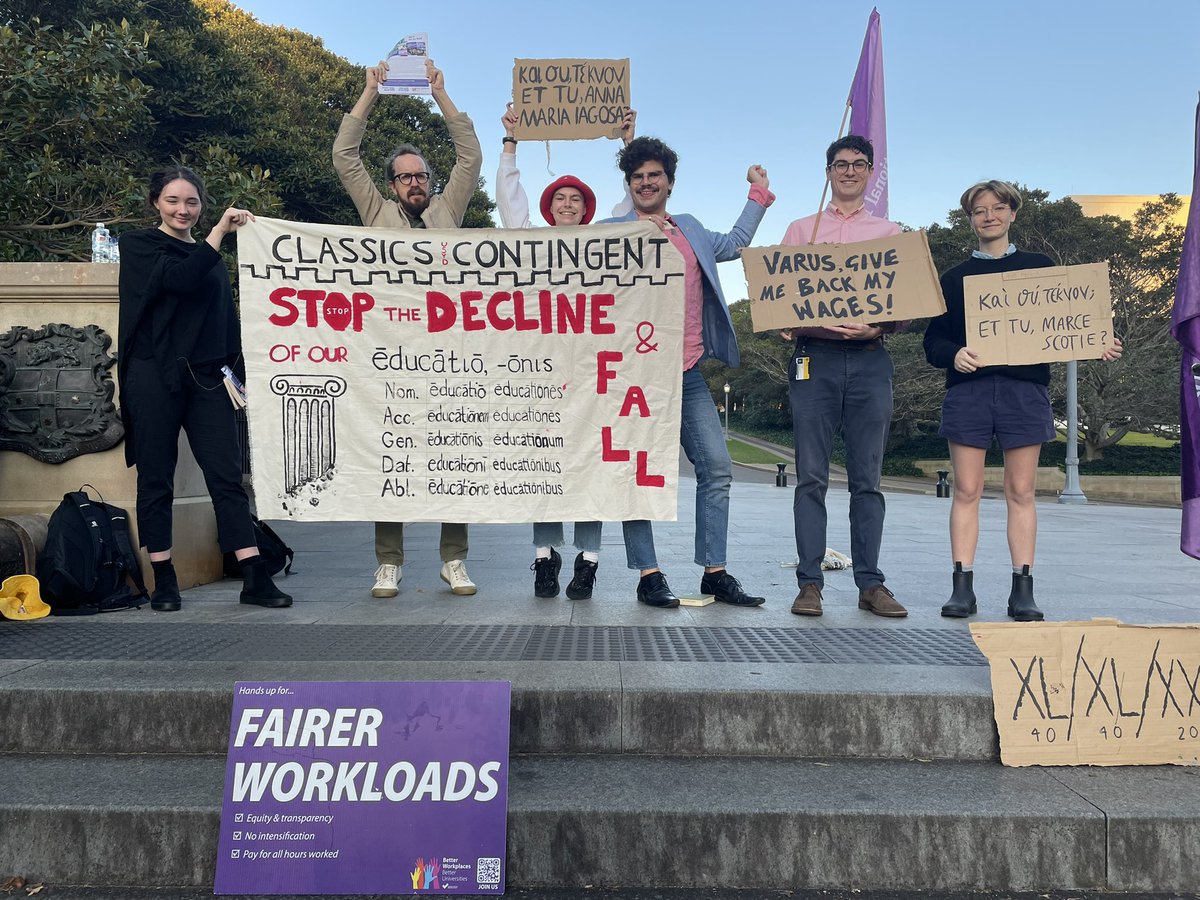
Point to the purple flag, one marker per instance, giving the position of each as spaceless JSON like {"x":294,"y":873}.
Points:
{"x":1185,"y":325}
{"x":867,"y":114}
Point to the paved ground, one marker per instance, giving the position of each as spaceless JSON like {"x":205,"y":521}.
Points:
{"x":1093,"y":560}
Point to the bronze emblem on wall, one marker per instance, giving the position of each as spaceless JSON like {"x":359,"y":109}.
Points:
{"x":56,"y":393}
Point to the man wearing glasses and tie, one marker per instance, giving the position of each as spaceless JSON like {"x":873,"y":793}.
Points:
{"x":414,"y":206}
{"x":841,"y":381}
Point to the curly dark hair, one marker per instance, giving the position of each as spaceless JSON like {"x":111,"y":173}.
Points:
{"x":642,"y":150}
{"x":851,"y":142}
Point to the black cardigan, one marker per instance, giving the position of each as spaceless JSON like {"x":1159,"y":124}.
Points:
{"x":947,"y":334}
{"x":177,"y":305}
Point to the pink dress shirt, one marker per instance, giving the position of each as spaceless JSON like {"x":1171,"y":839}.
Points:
{"x":838,"y":228}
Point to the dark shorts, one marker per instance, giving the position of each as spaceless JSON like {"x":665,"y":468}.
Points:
{"x":1016,"y":412}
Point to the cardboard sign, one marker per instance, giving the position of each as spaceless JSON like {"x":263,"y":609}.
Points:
{"x":885,"y":280}
{"x":569,"y":99}
{"x":1039,"y":315}
{"x":1094,"y":693}
{"x":526,"y":375}
{"x":365,"y":788}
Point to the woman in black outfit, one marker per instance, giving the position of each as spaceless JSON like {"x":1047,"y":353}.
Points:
{"x":178,"y":327}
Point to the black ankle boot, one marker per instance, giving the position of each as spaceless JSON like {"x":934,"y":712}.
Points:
{"x":962,"y":597}
{"x":1020,"y":602}
{"x":258,"y":588}
{"x":166,"y":588}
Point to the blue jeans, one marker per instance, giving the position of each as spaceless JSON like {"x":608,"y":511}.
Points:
{"x":703,"y":441}
{"x":550,"y":534}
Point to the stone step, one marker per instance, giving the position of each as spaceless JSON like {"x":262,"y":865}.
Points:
{"x":145,"y":821}
{"x":882,"y":711}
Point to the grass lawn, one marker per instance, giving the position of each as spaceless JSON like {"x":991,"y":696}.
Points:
{"x":1133,"y":439}
{"x":744,"y":453}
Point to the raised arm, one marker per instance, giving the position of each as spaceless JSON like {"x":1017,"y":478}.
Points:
{"x":347,"y":161}
{"x":511,"y":200}
{"x":726,"y":246}
{"x":468,"y":154}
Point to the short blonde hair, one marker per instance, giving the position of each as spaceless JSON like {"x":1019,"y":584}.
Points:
{"x":1004,"y":191}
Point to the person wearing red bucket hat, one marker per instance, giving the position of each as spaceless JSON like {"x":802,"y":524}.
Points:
{"x":568,"y":201}
{"x":565,"y":201}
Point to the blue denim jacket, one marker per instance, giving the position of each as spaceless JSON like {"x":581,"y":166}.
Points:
{"x":711,"y":248}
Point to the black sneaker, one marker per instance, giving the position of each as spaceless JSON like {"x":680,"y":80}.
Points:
{"x":728,"y":589}
{"x":653,"y":590}
{"x":581,"y":585}
{"x":545,"y":575}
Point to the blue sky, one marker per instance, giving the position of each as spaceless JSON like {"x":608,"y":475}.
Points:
{"x":1072,"y":97}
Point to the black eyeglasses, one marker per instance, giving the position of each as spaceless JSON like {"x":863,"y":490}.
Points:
{"x":841,"y":165}
{"x":409,"y":177}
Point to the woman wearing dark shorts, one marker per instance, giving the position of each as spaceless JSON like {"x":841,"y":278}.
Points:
{"x":1009,"y":403}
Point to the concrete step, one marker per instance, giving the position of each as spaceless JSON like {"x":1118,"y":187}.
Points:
{"x":881,"y":711}
{"x":113,"y":821}
{"x":77,"y":892}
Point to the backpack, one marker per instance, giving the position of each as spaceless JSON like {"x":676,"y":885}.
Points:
{"x":88,"y":554}
{"x":277,"y":555}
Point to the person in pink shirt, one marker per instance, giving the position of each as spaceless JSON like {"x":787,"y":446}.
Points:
{"x":841,"y":381}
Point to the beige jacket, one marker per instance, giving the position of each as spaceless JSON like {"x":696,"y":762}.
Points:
{"x":445,"y":210}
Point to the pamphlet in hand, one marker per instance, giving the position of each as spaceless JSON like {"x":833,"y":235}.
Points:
{"x":235,"y":388}
{"x":406,"y":66}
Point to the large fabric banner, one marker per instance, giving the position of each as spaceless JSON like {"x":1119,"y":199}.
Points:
{"x":462,"y":376}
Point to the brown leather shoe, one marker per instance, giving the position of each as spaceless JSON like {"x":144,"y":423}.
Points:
{"x":881,"y":601}
{"x":808,"y":601}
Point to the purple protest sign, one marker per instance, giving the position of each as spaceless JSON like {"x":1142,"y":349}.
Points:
{"x":365,"y":788}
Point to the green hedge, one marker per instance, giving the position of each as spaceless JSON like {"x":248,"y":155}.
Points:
{"x":898,"y":461}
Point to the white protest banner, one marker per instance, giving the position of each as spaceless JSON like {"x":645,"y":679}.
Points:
{"x":462,"y":376}
{"x":406,"y":67}
{"x":1039,"y":315}
{"x":1096,"y":693}
{"x":871,"y":282}
{"x":569,"y":99}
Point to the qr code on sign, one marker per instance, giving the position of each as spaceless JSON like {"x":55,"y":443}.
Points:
{"x":487,"y":870}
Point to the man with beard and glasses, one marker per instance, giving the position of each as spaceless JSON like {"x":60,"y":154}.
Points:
{"x":414,"y":206}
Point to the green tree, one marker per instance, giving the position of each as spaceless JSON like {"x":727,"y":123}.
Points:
{"x":253,"y":108}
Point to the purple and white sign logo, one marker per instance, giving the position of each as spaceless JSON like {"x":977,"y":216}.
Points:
{"x":365,"y":788}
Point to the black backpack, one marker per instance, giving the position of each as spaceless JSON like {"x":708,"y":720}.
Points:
{"x":275,"y":553}
{"x":87,"y":556}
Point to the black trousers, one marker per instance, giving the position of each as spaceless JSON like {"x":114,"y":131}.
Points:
{"x":202,"y":409}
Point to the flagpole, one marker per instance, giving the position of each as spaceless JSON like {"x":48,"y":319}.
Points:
{"x":825,"y":188}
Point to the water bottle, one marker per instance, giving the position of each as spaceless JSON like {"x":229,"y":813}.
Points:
{"x":101,"y":240}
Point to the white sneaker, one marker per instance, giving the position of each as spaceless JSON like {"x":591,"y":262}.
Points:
{"x":387,"y":580}
{"x":454,"y":573}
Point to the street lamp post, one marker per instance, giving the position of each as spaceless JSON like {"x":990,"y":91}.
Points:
{"x":1072,"y":492}
{"x":727,"y":411}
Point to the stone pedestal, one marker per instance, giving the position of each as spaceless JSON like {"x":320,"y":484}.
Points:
{"x":78,"y":294}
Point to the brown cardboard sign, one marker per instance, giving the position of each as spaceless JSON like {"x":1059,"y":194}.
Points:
{"x":569,"y":99}
{"x":1039,"y":315}
{"x":1094,"y":693}
{"x":871,"y":282}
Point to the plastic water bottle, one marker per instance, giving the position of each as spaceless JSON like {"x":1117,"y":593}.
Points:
{"x":101,"y":240}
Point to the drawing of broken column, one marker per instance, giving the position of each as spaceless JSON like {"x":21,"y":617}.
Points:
{"x":309,"y":432}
